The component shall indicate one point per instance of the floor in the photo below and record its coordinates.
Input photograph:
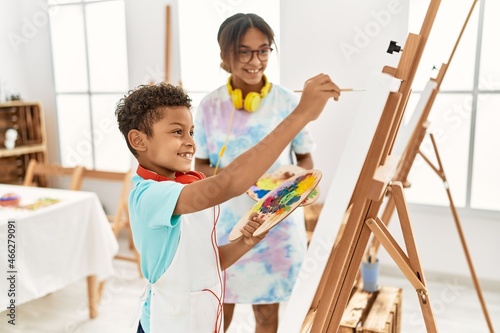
(455, 304)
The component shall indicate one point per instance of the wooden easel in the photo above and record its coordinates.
(168, 42)
(361, 219)
(408, 158)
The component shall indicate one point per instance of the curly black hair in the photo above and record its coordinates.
(142, 107)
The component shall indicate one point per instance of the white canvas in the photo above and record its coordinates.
(345, 177)
(410, 120)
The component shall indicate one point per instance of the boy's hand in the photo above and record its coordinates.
(249, 228)
(317, 91)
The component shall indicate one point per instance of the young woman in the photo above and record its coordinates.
(229, 121)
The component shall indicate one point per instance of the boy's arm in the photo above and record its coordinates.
(231, 252)
(203, 165)
(246, 169)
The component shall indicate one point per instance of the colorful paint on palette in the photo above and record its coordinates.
(286, 196)
(280, 202)
(268, 183)
(259, 192)
(265, 185)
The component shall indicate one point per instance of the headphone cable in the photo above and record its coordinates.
(223, 148)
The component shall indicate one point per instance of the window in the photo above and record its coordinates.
(90, 72)
(466, 111)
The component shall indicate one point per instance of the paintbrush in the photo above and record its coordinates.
(343, 89)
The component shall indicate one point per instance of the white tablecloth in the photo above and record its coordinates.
(55, 245)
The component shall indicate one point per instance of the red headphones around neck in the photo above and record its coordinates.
(180, 177)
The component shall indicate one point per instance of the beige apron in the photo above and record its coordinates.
(187, 297)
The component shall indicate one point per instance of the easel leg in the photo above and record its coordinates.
(386, 217)
(345, 261)
(440, 172)
(409, 264)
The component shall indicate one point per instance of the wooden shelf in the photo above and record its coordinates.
(17, 103)
(29, 149)
(28, 120)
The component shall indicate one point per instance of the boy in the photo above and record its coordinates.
(173, 224)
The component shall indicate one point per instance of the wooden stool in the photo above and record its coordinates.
(378, 312)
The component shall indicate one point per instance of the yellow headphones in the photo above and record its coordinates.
(252, 99)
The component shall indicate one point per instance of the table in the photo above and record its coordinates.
(53, 246)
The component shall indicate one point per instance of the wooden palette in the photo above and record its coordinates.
(269, 181)
(278, 203)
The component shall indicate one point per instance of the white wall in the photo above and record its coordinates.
(348, 47)
(439, 246)
(145, 22)
(12, 73)
(310, 44)
(25, 60)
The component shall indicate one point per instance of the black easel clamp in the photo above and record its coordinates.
(393, 47)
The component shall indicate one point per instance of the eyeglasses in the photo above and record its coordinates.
(245, 56)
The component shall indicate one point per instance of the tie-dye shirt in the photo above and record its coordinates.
(268, 272)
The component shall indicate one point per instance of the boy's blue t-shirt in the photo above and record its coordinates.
(156, 230)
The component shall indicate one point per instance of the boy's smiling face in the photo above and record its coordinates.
(171, 147)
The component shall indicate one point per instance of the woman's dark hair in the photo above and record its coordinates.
(234, 28)
(143, 107)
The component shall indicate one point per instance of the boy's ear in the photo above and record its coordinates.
(137, 140)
